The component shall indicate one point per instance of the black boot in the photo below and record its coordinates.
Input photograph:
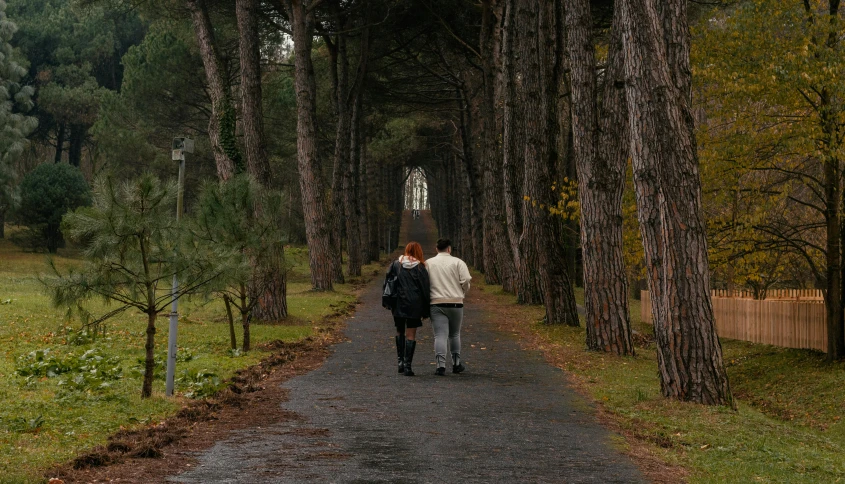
(457, 367)
(410, 346)
(400, 352)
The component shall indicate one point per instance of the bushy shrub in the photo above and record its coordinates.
(47, 193)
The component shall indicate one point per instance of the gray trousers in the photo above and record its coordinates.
(446, 323)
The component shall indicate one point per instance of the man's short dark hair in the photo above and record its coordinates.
(443, 244)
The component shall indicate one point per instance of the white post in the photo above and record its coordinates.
(179, 148)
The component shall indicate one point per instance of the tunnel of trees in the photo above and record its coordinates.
(555, 143)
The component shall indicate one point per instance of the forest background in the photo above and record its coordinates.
(331, 105)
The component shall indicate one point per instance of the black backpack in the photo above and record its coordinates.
(390, 291)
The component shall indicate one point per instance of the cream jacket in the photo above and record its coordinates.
(449, 279)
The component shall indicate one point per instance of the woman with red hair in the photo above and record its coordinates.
(412, 302)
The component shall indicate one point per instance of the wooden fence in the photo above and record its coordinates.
(791, 323)
(790, 294)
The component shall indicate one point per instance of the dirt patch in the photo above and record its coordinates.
(511, 318)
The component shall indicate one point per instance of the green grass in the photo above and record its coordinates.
(788, 426)
(41, 424)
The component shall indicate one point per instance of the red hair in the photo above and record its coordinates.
(413, 249)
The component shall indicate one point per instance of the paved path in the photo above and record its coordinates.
(509, 418)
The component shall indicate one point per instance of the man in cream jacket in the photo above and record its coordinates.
(449, 278)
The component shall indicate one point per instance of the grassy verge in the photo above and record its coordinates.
(788, 427)
(45, 420)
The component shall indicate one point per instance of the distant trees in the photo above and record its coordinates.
(773, 140)
(47, 194)
(15, 123)
(74, 53)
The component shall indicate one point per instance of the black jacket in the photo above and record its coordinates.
(414, 291)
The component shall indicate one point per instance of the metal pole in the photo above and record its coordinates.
(174, 311)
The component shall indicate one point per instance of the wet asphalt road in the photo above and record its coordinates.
(509, 418)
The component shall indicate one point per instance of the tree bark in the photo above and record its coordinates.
(322, 260)
(668, 189)
(541, 74)
(339, 71)
(271, 289)
(60, 143)
(245, 324)
(364, 194)
(352, 182)
(494, 236)
(233, 340)
(507, 271)
(395, 180)
(513, 152)
(474, 181)
(149, 355)
(466, 248)
(252, 123)
(350, 185)
(600, 146)
(272, 305)
(373, 200)
(221, 125)
(78, 132)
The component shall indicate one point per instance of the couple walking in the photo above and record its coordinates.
(429, 289)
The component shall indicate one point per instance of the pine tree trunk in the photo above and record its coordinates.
(270, 285)
(354, 191)
(541, 237)
(396, 225)
(364, 198)
(78, 132)
(272, 304)
(513, 153)
(339, 69)
(350, 180)
(245, 323)
(373, 200)
(233, 340)
(252, 124)
(473, 181)
(60, 142)
(668, 189)
(322, 259)
(494, 176)
(600, 145)
(493, 228)
(221, 125)
(149, 356)
(466, 220)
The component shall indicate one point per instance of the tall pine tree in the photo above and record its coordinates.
(15, 125)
